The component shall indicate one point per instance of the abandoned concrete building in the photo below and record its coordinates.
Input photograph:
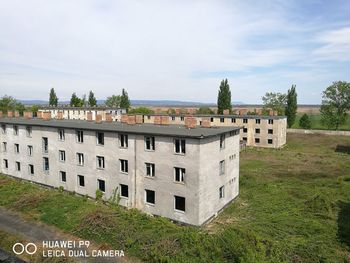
(183, 173)
(83, 113)
(256, 130)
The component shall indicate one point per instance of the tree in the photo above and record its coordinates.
(8, 103)
(75, 101)
(53, 100)
(291, 107)
(224, 97)
(113, 101)
(204, 110)
(141, 110)
(92, 100)
(335, 104)
(124, 100)
(305, 122)
(275, 102)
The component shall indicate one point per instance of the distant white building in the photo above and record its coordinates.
(81, 113)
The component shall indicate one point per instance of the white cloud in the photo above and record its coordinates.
(151, 48)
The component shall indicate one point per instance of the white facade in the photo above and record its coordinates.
(75, 113)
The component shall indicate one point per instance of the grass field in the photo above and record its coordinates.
(316, 122)
(294, 206)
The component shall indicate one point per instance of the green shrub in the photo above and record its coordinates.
(305, 122)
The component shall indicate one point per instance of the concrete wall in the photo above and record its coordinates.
(326, 132)
(211, 180)
(201, 162)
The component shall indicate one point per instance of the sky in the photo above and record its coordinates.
(177, 50)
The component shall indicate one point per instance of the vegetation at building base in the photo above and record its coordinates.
(335, 104)
(224, 97)
(294, 206)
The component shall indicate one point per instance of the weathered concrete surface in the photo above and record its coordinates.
(14, 223)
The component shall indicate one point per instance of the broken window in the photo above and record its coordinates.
(80, 136)
(179, 174)
(100, 138)
(81, 180)
(150, 196)
(150, 169)
(180, 203)
(100, 162)
(124, 190)
(180, 146)
(124, 166)
(101, 185)
(123, 140)
(149, 143)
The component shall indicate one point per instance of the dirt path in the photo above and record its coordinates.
(35, 232)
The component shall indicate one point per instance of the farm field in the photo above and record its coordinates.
(294, 206)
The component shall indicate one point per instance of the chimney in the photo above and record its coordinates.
(89, 116)
(157, 120)
(190, 122)
(206, 123)
(39, 114)
(139, 119)
(98, 118)
(60, 115)
(164, 120)
(16, 114)
(109, 117)
(226, 112)
(10, 114)
(46, 115)
(28, 115)
(131, 119)
(124, 118)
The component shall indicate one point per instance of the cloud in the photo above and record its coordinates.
(161, 49)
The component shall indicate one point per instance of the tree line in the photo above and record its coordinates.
(118, 101)
(334, 108)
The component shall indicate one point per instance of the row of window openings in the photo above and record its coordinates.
(150, 195)
(179, 144)
(257, 140)
(179, 173)
(245, 120)
(257, 131)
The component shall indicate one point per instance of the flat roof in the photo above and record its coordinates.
(153, 129)
(220, 116)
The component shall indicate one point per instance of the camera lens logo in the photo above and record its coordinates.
(19, 248)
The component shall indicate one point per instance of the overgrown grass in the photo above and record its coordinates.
(294, 206)
(316, 122)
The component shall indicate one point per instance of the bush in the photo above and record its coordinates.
(204, 110)
(99, 194)
(305, 122)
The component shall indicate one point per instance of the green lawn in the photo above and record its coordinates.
(316, 122)
(294, 206)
